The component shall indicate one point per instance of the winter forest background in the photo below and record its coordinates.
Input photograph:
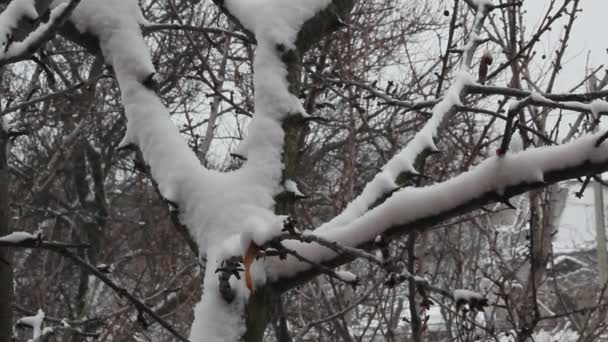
(303, 170)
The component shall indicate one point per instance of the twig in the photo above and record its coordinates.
(153, 27)
(511, 113)
(41, 244)
(122, 292)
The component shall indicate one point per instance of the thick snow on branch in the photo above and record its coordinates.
(35, 322)
(217, 208)
(275, 24)
(17, 237)
(347, 277)
(22, 48)
(222, 211)
(411, 204)
(292, 187)
(384, 182)
(178, 173)
(116, 23)
(10, 17)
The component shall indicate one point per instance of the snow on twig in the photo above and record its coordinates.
(292, 187)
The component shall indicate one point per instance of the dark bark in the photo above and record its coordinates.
(6, 270)
(259, 313)
(415, 322)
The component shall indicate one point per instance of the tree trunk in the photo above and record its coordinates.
(415, 322)
(6, 270)
(261, 304)
(259, 313)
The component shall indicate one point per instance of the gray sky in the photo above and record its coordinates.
(590, 36)
(588, 44)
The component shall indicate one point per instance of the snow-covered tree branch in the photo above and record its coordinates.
(340, 154)
(48, 23)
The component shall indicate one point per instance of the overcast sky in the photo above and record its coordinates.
(589, 41)
(590, 36)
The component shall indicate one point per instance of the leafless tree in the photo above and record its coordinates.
(112, 262)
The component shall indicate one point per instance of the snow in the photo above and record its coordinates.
(227, 212)
(379, 255)
(538, 97)
(558, 334)
(47, 331)
(384, 182)
(223, 212)
(35, 322)
(598, 107)
(275, 20)
(292, 187)
(213, 206)
(105, 268)
(116, 24)
(10, 17)
(275, 24)
(214, 319)
(409, 204)
(347, 276)
(22, 47)
(561, 258)
(251, 189)
(17, 237)
(517, 144)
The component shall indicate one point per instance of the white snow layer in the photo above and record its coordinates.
(516, 145)
(17, 237)
(292, 187)
(35, 322)
(384, 182)
(116, 24)
(221, 210)
(275, 24)
(20, 48)
(9, 18)
(347, 277)
(409, 204)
